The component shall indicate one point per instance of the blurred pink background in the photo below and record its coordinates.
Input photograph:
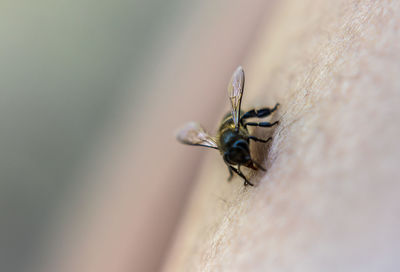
(92, 93)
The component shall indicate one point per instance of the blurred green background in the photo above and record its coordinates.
(65, 65)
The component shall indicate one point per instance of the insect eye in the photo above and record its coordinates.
(241, 144)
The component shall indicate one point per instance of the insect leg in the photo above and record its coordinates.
(230, 173)
(259, 140)
(258, 165)
(264, 112)
(237, 171)
(261, 124)
(229, 167)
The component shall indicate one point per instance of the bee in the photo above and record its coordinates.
(233, 138)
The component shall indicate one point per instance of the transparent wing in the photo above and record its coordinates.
(193, 134)
(235, 92)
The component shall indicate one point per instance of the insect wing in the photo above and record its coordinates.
(235, 92)
(193, 134)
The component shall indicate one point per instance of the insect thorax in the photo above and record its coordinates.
(228, 135)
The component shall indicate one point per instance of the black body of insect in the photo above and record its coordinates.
(233, 137)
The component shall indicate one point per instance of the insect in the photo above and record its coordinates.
(233, 137)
